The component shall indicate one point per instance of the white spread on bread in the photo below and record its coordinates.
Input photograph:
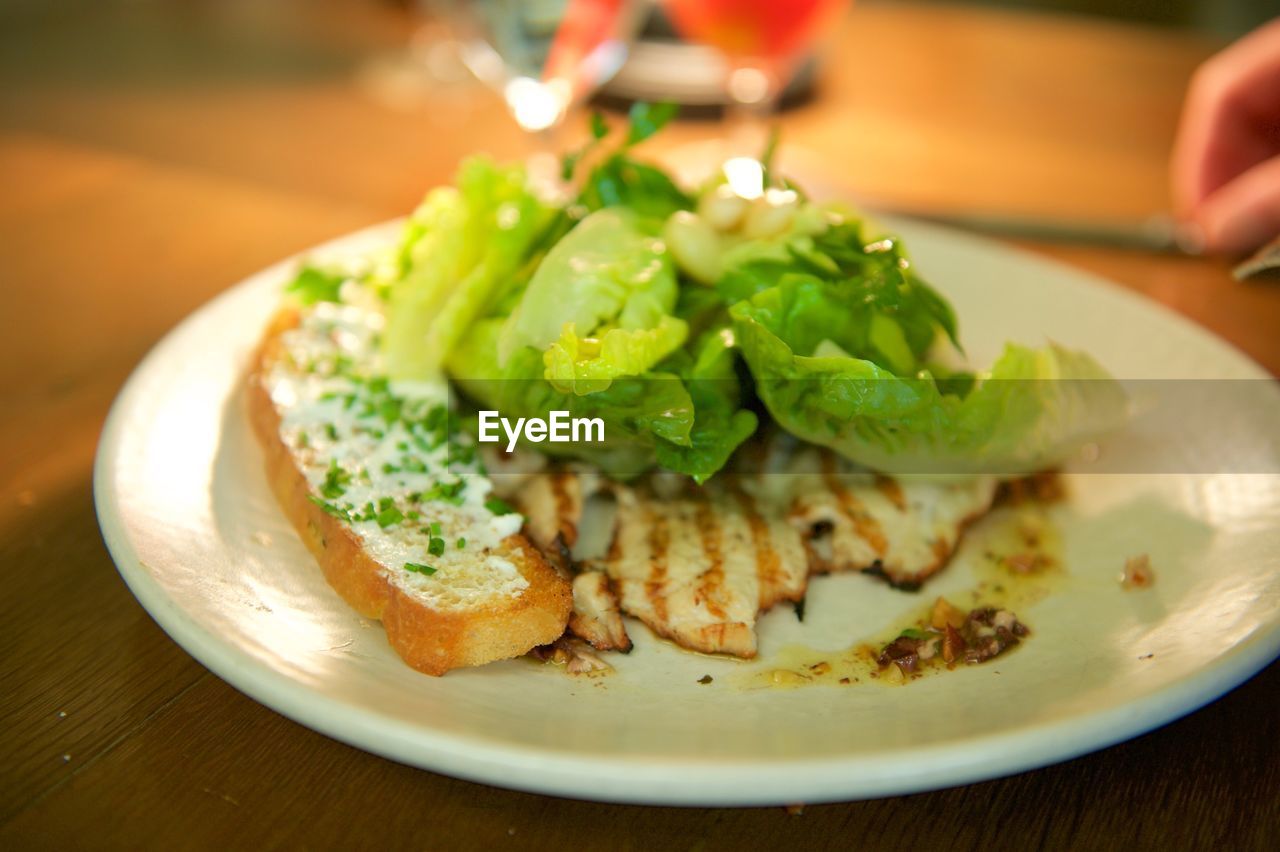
(382, 456)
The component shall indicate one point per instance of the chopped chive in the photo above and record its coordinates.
(499, 506)
(330, 508)
(389, 409)
(447, 492)
(460, 543)
(435, 528)
(389, 516)
(335, 481)
(419, 568)
(435, 546)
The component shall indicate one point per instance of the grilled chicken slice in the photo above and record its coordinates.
(596, 615)
(699, 566)
(904, 530)
(553, 503)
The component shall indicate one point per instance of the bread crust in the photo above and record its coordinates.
(430, 640)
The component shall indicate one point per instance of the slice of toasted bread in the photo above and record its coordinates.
(464, 613)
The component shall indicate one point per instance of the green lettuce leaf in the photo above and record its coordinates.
(1031, 411)
(636, 409)
(623, 182)
(583, 365)
(608, 271)
(684, 415)
(461, 248)
(720, 424)
(864, 298)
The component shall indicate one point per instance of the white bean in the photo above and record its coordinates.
(767, 219)
(694, 244)
(722, 208)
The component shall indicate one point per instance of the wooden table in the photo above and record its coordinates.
(152, 155)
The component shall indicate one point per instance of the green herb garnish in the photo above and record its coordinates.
(387, 517)
(447, 492)
(499, 506)
(419, 568)
(335, 481)
(313, 285)
(330, 508)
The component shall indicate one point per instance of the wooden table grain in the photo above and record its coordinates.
(151, 154)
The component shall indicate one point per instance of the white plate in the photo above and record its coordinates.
(188, 517)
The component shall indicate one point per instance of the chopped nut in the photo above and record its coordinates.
(945, 614)
(953, 644)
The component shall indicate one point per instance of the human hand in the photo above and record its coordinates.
(1226, 160)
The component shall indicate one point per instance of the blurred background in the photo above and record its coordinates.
(1224, 17)
(211, 137)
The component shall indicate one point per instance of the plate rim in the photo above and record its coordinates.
(636, 779)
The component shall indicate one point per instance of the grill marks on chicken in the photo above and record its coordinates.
(904, 536)
(778, 553)
(596, 616)
(677, 565)
(553, 503)
(699, 565)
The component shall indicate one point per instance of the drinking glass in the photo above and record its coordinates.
(762, 42)
(545, 56)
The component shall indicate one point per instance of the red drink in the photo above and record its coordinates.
(766, 31)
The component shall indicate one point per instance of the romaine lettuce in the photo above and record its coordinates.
(583, 365)
(606, 272)
(1029, 412)
(461, 248)
(640, 412)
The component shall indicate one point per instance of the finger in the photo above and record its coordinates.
(1231, 118)
(1244, 213)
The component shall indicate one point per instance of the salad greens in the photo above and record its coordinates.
(461, 249)
(682, 317)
